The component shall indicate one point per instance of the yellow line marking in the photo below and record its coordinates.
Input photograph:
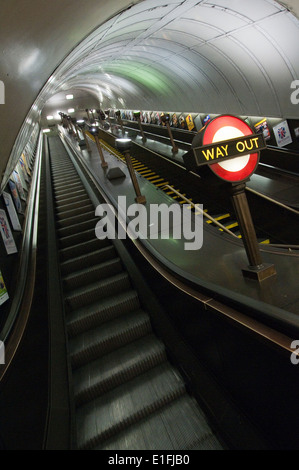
(153, 177)
(156, 181)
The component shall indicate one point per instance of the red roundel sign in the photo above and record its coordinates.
(222, 129)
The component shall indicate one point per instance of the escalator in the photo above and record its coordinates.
(127, 394)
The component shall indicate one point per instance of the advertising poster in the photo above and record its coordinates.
(15, 196)
(12, 212)
(297, 133)
(3, 292)
(182, 122)
(174, 120)
(262, 127)
(18, 182)
(23, 167)
(22, 176)
(190, 123)
(7, 237)
(282, 134)
(207, 119)
(25, 161)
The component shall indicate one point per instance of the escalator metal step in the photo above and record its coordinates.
(75, 219)
(181, 426)
(88, 259)
(95, 314)
(98, 290)
(76, 238)
(77, 228)
(68, 190)
(82, 248)
(114, 334)
(92, 274)
(76, 211)
(116, 368)
(63, 185)
(72, 204)
(100, 419)
(70, 197)
(64, 175)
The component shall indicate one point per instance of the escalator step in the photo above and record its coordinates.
(82, 248)
(95, 314)
(75, 219)
(64, 175)
(70, 212)
(114, 334)
(100, 419)
(66, 198)
(65, 186)
(88, 259)
(116, 368)
(98, 290)
(74, 239)
(73, 203)
(181, 426)
(92, 274)
(73, 229)
(68, 190)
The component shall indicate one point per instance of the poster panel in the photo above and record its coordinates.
(12, 212)
(18, 182)
(3, 291)
(22, 176)
(15, 196)
(7, 236)
(190, 123)
(262, 127)
(282, 134)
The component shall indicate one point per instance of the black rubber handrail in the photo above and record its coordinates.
(28, 243)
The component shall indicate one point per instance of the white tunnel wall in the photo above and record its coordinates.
(208, 56)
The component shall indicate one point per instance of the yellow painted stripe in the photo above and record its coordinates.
(162, 184)
(265, 241)
(145, 172)
(232, 225)
(140, 166)
(153, 177)
(157, 181)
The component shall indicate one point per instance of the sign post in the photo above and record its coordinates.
(137, 115)
(228, 145)
(166, 118)
(124, 145)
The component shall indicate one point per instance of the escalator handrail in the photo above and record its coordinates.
(274, 201)
(188, 283)
(196, 206)
(28, 243)
(283, 150)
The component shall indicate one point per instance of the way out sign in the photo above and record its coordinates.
(229, 146)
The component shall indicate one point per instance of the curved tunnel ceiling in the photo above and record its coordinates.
(213, 56)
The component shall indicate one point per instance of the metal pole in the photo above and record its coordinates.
(174, 147)
(256, 269)
(86, 140)
(141, 130)
(103, 162)
(139, 197)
